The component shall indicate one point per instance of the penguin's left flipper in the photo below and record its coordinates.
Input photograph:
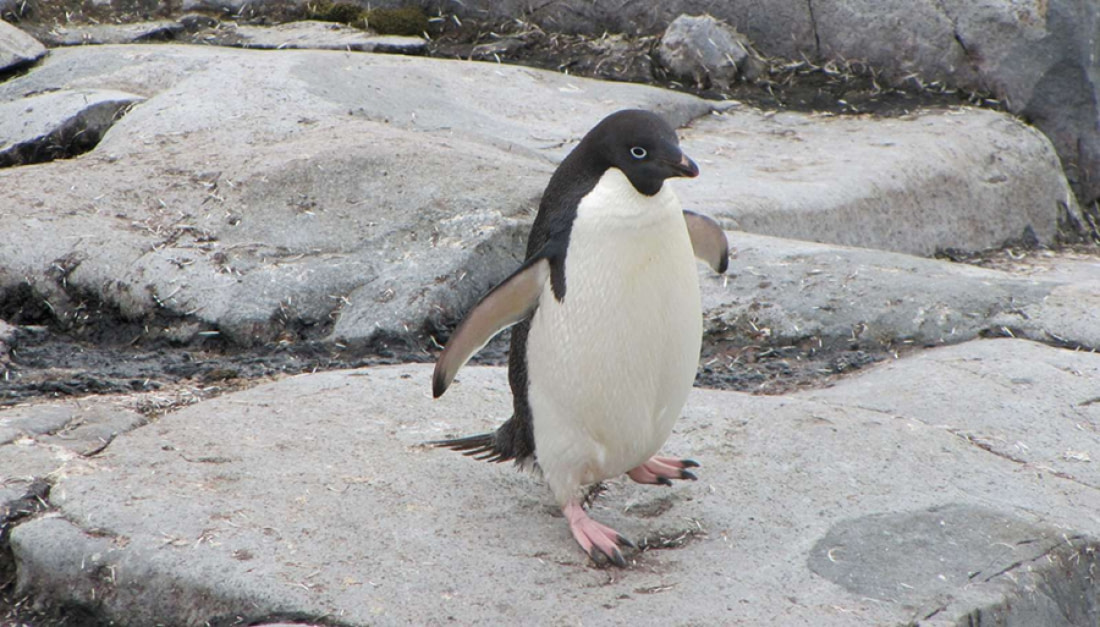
(708, 240)
(662, 470)
(506, 304)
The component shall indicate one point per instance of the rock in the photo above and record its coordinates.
(1036, 57)
(51, 439)
(703, 51)
(313, 35)
(209, 507)
(376, 210)
(86, 34)
(17, 49)
(919, 184)
(58, 124)
(377, 213)
(783, 292)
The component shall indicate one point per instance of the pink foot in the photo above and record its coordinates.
(599, 542)
(663, 470)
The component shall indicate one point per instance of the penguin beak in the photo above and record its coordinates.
(686, 167)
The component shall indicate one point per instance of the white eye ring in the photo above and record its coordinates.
(638, 152)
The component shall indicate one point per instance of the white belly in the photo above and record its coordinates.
(610, 367)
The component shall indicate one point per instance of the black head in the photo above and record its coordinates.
(639, 143)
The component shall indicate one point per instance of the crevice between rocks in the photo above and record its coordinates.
(1059, 586)
(294, 618)
(989, 448)
(813, 25)
(33, 502)
(74, 136)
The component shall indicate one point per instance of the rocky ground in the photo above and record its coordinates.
(894, 278)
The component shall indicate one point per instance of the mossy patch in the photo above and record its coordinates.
(342, 12)
(401, 21)
(410, 21)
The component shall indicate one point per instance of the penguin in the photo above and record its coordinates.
(607, 323)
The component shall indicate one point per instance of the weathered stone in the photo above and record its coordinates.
(918, 184)
(703, 51)
(316, 36)
(401, 194)
(196, 516)
(382, 214)
(1039, 57)
(58, 123)
(17, 48)
(783, 292)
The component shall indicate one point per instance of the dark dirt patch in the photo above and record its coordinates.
(798, 85)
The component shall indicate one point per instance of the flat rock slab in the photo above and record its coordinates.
(879, 501)
(37, 127)
(17, 48)
(783, 292)
(314, 35)
(916, 184)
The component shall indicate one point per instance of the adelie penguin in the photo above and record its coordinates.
(608, 322)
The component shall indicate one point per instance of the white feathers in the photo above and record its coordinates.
(609, 367)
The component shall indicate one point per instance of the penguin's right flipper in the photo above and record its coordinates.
(506, 304)
(708, 240)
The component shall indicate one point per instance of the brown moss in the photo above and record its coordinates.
(342, 12)
(403, 21)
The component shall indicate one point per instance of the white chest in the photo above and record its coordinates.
(610, 366)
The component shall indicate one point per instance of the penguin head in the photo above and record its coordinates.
(642, 145)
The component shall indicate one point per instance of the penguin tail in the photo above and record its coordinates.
(482, 447)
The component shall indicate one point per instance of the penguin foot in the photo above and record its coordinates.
(662, 470)
(600, 542)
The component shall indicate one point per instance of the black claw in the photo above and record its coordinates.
(667, 481)
(687, 474)
(689, 463)
(622, 540)
(617, 558)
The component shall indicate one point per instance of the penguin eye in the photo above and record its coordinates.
(638, 152)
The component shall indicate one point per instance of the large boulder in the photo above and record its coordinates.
(918, 184)
(293, 194)
(1039, 58)
(784, 292)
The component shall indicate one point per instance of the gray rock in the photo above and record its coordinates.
(1039, 58)
(703, 51)
(783, 292)
(46, 441)
(376, 211)
(88, 34)
(246, 505)
(316, 36)
(17, 48)
(58, 123)
(963, 179)
(375, 207)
